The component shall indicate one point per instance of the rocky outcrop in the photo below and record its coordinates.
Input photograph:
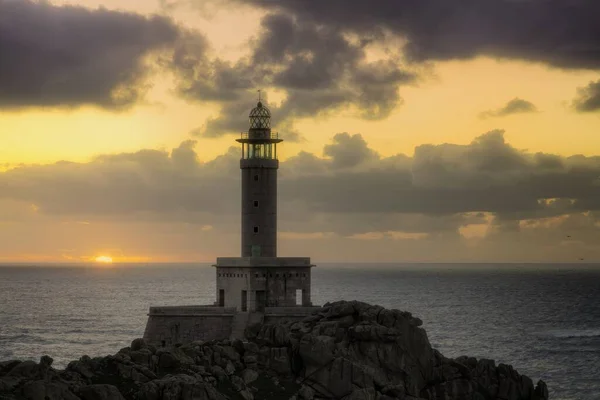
(346, 350)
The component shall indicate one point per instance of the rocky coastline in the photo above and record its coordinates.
(346, 350)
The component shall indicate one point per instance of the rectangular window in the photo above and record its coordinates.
(221, 298)
(298, 297)
(255, 203)
(256, 178)
(256, 229)
(244, 300)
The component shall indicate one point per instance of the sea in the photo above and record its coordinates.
(543, 319)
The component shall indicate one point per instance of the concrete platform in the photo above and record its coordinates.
(169, 325)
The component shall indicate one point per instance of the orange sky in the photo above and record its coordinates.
(443, 105)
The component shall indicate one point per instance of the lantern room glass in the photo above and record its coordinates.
(259, 150)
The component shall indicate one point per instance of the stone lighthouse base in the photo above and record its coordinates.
(183, 324)
(250, 290)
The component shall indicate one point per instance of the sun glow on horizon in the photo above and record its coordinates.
(104, 259)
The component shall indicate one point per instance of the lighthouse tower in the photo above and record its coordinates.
(258, 286)
(259, 280)
(259, 166)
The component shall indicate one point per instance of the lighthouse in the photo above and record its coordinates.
(258, 286)
(259, 166)
(259, 280)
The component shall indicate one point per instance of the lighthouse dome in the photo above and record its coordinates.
(260, 117)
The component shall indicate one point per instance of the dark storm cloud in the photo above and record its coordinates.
(353, 190)
(312, 57)
(319, 68)
(515, 106)
(69, 56)
(588, 98)
(564, 34)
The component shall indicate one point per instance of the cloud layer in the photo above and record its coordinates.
(588, 98)
(440, 181)
(515, 106)
(485, 201)
(70, 56)
(564, 34)
(315, 53)
(319, 69)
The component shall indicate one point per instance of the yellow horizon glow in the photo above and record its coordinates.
(104, 259)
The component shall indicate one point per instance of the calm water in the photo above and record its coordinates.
(544, 320)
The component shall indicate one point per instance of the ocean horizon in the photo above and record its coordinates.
(541, 318)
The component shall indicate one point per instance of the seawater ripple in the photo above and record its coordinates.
(543, 320)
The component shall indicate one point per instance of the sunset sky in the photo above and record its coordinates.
(415, 131)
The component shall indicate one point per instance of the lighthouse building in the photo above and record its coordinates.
(258, 286)
(259, 279)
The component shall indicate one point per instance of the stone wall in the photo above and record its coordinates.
(279, 283)
(184, 324)
(233, 281)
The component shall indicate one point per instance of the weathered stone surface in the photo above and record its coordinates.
(142, 356)
(249, 375)
(42, 390)
(306, 393)
(25, 369)
(100, 392)
(349, 350)
(138, 344)
(182, 387)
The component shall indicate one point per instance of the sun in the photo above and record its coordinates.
(104, 259)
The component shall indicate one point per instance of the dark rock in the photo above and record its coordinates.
(6, 366)
(238, 383)
(218, 373)
(46, 361)
(25, 369)
(541, 391)
(246, 395)
(82, 367)
(142, 357)
(138, 344)
(250, 348)
(249, 375)
(238, 345)
(179, 387)
(229, 368)
(250, 359)
(230, 353)
(100, 392)
(306, 393)
(42, 390)
(349, 350)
